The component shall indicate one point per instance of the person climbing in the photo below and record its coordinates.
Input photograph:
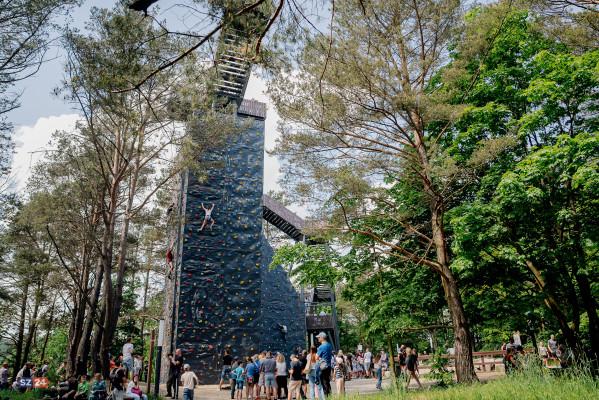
(283, 330)
(208, 216)
(169, 260)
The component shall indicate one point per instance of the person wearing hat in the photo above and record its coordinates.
(190, 380)
(325, 352)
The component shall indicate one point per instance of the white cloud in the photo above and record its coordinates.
(32, 141)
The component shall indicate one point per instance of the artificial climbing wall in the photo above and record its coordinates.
(224, 295)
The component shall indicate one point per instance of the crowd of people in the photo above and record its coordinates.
(554, 351)
(309, 373)
(126, 372)
(306, 374)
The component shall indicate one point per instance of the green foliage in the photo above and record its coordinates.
(438, 372)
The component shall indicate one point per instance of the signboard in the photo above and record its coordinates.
(25, 382)
(41, 382)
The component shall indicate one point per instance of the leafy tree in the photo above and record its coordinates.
(365, 135)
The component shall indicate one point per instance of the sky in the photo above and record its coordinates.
(41, 113)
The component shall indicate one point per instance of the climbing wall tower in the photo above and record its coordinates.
(223, 294)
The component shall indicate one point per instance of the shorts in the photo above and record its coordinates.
(269, 379)
(294, 385)
(544, 356)
(118, 394)
(239, 385)
(250, 380)
(128, 364)
(366, 366)
(226, 374)
(261, 380)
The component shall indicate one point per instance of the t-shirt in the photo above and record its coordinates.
(368, 357)
(4, 375)
(339, 371)
(269, 365)
(297, 368)
(127, 350)
(83, 387)
(325, 351)
(227, 360)
(411, 361)
(281, 368)
(252, 369)
(188, 380)
(238, 372)
(552, 345)
(517, 340)
(176, 369)
(542, 351)
(137, 363)
(304, 360)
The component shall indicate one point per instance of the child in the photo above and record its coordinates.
(82, 388)
(339, 375)
(238, 375)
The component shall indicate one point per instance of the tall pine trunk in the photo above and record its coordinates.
(21, 332)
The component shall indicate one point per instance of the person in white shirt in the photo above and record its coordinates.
(517, 340)
(134, 391)
(190, 380)
(128, 357)
(367, 362)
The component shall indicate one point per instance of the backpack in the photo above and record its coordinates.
(322, 363)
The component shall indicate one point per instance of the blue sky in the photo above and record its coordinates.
(42, 113)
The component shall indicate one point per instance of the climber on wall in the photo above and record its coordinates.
(208, 216)
(169, 259)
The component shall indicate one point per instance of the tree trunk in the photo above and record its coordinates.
(21, 334)
(84, 347)
(113, 306)
(33, 322)
(462, 341)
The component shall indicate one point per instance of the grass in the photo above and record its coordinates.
(31, 395)
(532, 383)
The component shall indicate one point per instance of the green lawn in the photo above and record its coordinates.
(524, 386)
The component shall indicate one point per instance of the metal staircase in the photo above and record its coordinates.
(232, 66)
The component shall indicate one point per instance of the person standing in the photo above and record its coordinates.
(137, 365)
(252, 370)
(233, 381)
(4, 374)
(303, 358)
(189, 380)
(412, 366)
(340, 374)
(552, 343)
(367, 362)
(517, 340)
(268, 366)
(128, 357)
(543, 353)
(238, 376)
(325, 352)
(378, 372)
(281, 376)
(384, 362)
(172, 385)
(296, 377)
(226, 371)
